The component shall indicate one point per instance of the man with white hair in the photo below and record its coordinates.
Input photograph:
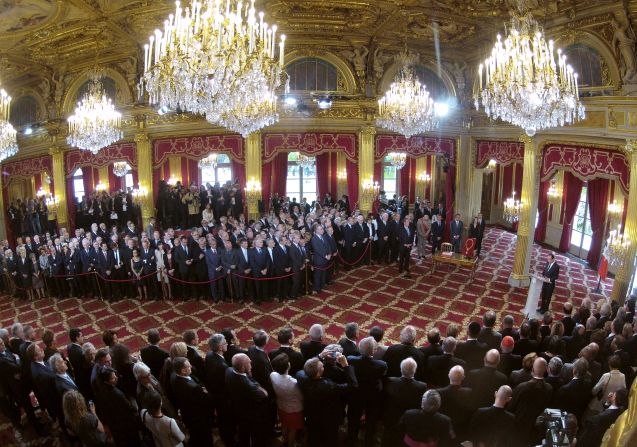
(439, 365)
(367, 398)
(457, 402)
(486, 380)
(397, 353)
(314, 346)
(427, 425)
(401, 394)
(63, 382)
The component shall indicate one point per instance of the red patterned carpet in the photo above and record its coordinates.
(368, 295)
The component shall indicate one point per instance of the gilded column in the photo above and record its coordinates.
(475, 184)
(174, 167)
(3, 228)
(341, 175)
(145, 176)
(421, 170)
(366, 168)
(59, 186)
(463, 166)
(103, 174)
(520, 275)
(253, 174)
(434, 179)
(625, 271)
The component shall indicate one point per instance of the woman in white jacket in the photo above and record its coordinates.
(609, 383)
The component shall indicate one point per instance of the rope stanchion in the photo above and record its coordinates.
(359, 259)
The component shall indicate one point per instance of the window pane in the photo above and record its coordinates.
(581, 209)
(224, 174)
(576, 238)
(208, 175)
(129, 180)
(586, 242)
(78, 188)
(293, 172)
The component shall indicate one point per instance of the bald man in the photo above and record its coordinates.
(491, 426)
(486, 380)
(457, 401)
(529, 401)
(248, 402)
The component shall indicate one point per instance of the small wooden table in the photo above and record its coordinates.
(455, 259)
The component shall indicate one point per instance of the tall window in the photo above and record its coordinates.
(582, 234)
(78, 184)
(221, 174)
(301, 182)
(390, 178)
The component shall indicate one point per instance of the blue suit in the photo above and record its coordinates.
(259, 262)
(456, 234)
(213, 261)
(320, 249)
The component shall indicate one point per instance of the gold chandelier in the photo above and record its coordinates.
(210, 162)
(617, 246)
(553, 191)
(512, 209)
(305, 161)
(406, 108)
(8, 135)
(216, 58)
(523, 83)
(120, 168)
(398, 159)
(95, 123)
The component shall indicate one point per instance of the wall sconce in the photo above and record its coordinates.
(341, 175)
(100, 187)
(615, 209)
(172, 181)
(40, 193)
(554, 192)
(424, 178)
(490, 168)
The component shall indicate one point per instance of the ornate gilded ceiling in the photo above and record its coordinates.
(46, 45)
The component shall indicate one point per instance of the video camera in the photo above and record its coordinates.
(555, 425)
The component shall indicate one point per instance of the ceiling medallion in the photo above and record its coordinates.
(523, 83)
(407, 108)
(95, 123)
(216, 58)
(8, 135)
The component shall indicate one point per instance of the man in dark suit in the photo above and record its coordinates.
(478, 233)
(595, 427)
(472, 351)
(196, 360)
(321, 256)
(229, 261)
(244, 269)
(259, 266)
(261, 367)
(286, 339)
(298, 261)
(400, 394)
(149, 265)
(382, 233)
(281, 267)
(248, 402)
(457, 401)
(427, 424)
(434, 344)
(314, 346)
(193, 402)
(215, 271)
(488, 335)
(575, 395)
(406, 237)
(183, 261)
(438, 366)
(525, 345)
(74, 350)
(320, 396)
(492, 426)
(397, 353)
(88, 260)
(437, 231)
(394, 243)
(567, 321)
(550, 273)
(216, 368)
(152, 355)
(529, 401)
(348, 343)
(367, 398)
(44, 382)
(457, 227)
(63, 382)
(105, 262)
(487, 380)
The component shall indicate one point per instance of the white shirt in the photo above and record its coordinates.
(288, 394)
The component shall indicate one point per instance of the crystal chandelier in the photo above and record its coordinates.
(523, 83)
(216, 59)
(616, 247)
(95, 123)
(8, 135)
(490, 168)
(305, 161)
(398, 159)
(512, 209)
(615, 208)
(210, 162)
(120, 168)
(407, 108)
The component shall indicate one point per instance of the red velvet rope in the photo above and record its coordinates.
(359, 259)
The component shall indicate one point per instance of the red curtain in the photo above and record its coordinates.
(428, 187)
(70, 202)
(496, 184)
(279, 173)
(543, 211)
(507, 182)
(450, 186)
(378, 173)
(597, 205)
(159, 173)
(518, 179)
(572, 192)
(352, 182)
(266, 184)
(323, 174)
(403, 176)
(334, 175)
(87, 178)
(135, 178)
